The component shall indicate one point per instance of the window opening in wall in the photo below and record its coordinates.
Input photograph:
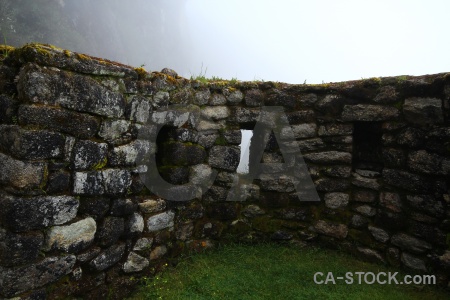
(367, 146)
(243, 167)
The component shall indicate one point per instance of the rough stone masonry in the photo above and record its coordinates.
(76, 219)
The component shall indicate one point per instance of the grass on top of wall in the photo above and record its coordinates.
(270, 271)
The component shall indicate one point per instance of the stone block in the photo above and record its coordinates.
(410, 137)
(308, 100)
(278, 183)
(138, 109)
(336, 200)
(335, 129)
(408, 181)
(423, 110)
(226, 178)
(364, 182)
(113, 182)
(315, 144)
(428, 163)
(368, 112)
(233, 136)
(364, 196)
(427, 204)
(331, 185)
(338, 231)
(108, 257)
(192, 211)
(244, 192)
(224, 157)
(8, 109)
(413, 262)
(158, 252)
(184, 231)
(183, 154)
(330, 104)
(97, 207)
(137, 151)
(181, 96)
(410, 243)
(110, 230)
(254, 97)
(297, 214)
(359, 221)
(370, 255)
(24, 214)
(71, 238)
(276, 97)
(430, 233)
(19, 249)
(88, 183)
(76, 92)
(218, 99)
(152, 206)
(393, 256)
(208, 138)
(21, 279)
(301, 117)
(22, 175)
(77, 124)
(216, 194)
(143, 244)
(160, 221)
(31, 144)
(246, 115)
(160, 99)
(379, 234)
(116, 181)
(134, 225)
(215, 112)
(302, 131)
(329, 157)
(123, 207)
(89, 155)
(131, 85)
(54, 57)
(233, 96)
(58, 182)
(185, 135)
(89, 254)
(115, 132)
(135, 263)
(201, 97)
(366, 210)
(393, 157)
(210, 230)
(205, 125)
(386, 95)
(445, 260)
(252, 211)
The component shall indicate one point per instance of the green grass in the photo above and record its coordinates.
(270, 271)
(201, 76)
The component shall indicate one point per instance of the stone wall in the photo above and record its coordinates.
(77, 219)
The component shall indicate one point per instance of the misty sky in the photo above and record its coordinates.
(283, 40)
(325, 40)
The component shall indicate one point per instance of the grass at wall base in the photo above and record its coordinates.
(273, 271)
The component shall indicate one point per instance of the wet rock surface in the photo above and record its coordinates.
(79, 137)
